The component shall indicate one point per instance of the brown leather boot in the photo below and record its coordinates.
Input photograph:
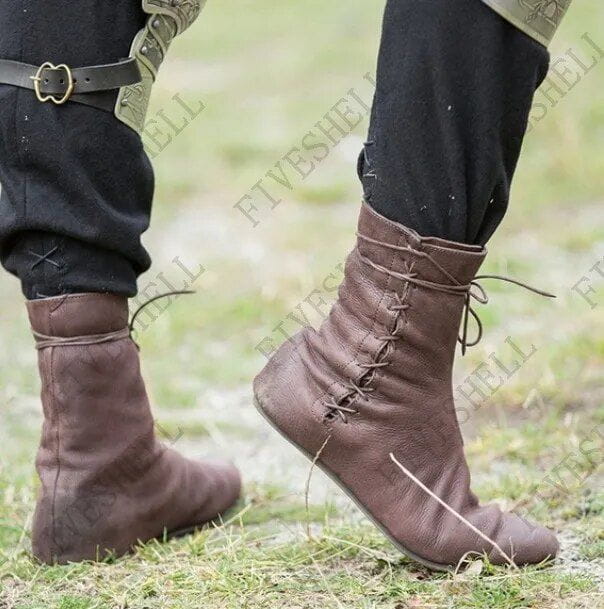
(107, 482)
(374, 385)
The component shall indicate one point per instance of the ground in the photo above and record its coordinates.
(241, 91)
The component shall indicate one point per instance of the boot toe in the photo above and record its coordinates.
(226, 485)
(524, 542)
(541, 545)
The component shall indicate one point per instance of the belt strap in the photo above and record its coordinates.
(59, 84)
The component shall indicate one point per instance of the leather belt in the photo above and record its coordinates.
(60, 83)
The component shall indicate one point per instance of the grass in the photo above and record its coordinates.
(535, 444)
(348, 565)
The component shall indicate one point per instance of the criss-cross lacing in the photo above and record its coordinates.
(457, 289)
(469, 291)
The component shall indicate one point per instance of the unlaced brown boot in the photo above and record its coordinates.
(374, 385)
(107, 482)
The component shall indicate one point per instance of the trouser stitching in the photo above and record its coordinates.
(41, 258)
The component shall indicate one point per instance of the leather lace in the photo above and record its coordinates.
(142, 307)
(44, 342)
(469, 291)
(472, 291)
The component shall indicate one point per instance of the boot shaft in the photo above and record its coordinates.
(106, 480)
(375, 383)
(400, 290)
(96, 410)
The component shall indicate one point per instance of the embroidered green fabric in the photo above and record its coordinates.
(537, 18)
(167, 19)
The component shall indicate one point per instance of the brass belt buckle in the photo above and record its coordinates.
(47, 65)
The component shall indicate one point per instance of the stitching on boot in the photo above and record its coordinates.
(402, 306)
(328, 391)
(370, 332)
(60, 302)
(361, 386)
(54, 545)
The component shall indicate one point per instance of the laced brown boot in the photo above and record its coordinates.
(107, 482)
(374, 386)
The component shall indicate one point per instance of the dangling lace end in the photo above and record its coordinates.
(467, 311)
(145, 304)
(518, 283)
(466, 314)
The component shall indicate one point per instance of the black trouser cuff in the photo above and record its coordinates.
(51, 265)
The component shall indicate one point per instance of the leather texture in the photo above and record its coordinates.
(88, 80)
(537, 18)
(376, 379)
(106, 481)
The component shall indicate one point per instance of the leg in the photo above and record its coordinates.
(369, 396)
(455, 84)
(75, 182)
(77, 189)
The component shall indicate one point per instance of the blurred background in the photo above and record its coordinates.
(261, 241)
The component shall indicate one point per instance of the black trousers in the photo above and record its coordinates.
(455, 84)
(76, 184)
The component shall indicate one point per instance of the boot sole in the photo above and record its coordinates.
(218, 520)
(426, 563)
